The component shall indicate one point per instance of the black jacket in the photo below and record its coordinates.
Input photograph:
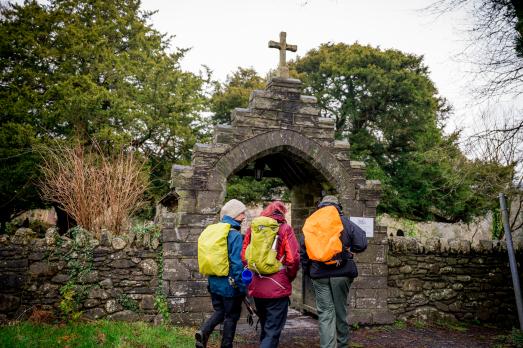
(352, 237)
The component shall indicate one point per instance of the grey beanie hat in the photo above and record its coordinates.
(330, 199)
(232, 208)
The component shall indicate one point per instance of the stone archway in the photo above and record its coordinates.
(275, 141)
(283, 128)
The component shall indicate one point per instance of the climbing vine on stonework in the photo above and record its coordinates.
(160, 298)
(128, 303)
(78, 256)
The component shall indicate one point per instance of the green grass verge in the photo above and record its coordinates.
(95, 334)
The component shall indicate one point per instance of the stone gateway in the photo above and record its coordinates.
(281, 133)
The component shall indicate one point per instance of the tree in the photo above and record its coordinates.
(18, 172)
(18, 131)
(385, 104)
(496, 42)
(248, 190)
(442, 184)
(85, 70)
(234, 93)
(500, 143)
(367, 90)
(496, 51)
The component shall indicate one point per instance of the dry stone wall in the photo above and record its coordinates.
(119, 276)
(450, 279)
(400, 278)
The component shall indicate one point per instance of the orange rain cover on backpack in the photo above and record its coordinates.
(322, 232)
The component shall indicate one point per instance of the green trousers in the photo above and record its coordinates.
(331, 302)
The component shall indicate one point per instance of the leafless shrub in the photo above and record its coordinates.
(97, 190)
(500, 140)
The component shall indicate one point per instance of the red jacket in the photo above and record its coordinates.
(278, 284)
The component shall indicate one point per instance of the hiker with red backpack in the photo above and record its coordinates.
(330, 238)
(219, 249)
(271, 251)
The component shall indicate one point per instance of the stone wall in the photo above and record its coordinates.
(119, 278)
(475, 231)
(450, 279)
(438, 279)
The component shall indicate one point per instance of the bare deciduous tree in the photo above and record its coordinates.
(501, 141)
(495, 49)
(495, 45)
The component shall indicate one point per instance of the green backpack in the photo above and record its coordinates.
(213, 256)
(261, 251)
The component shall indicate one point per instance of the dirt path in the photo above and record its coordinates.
(302, 331)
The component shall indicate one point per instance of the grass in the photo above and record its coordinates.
(399, 324)
(419, 324)
(452, 325)
(513, 339)
(356, 345)
(95, 334)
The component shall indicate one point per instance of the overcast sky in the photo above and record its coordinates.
(226, 34)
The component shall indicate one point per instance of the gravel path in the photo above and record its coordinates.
(302, 331)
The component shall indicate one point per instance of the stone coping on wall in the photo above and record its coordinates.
(408, 245)
(26, 236)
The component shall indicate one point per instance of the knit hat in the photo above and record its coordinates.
(232, 208)
(330, 199)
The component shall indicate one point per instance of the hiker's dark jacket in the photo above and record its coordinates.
(352, 237)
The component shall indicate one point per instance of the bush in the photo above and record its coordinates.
(40, 227)
(97, 190)
(12, 226)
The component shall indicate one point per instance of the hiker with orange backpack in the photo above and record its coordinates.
(271, 251)
(219, 249)
(330, 238)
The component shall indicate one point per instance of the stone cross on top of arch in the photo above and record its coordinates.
(283, 69)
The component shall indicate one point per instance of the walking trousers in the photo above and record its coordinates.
(226, 310)
(331, 302)
(273, 314)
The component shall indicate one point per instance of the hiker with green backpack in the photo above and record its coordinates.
(219, 257)
(271, 251)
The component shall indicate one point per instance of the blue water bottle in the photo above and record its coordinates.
(247, 276)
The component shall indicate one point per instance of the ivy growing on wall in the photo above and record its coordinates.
(79, 262)
(160, 299)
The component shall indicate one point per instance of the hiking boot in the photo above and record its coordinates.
(201, 339)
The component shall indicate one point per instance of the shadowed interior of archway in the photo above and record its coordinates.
(286, 165)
